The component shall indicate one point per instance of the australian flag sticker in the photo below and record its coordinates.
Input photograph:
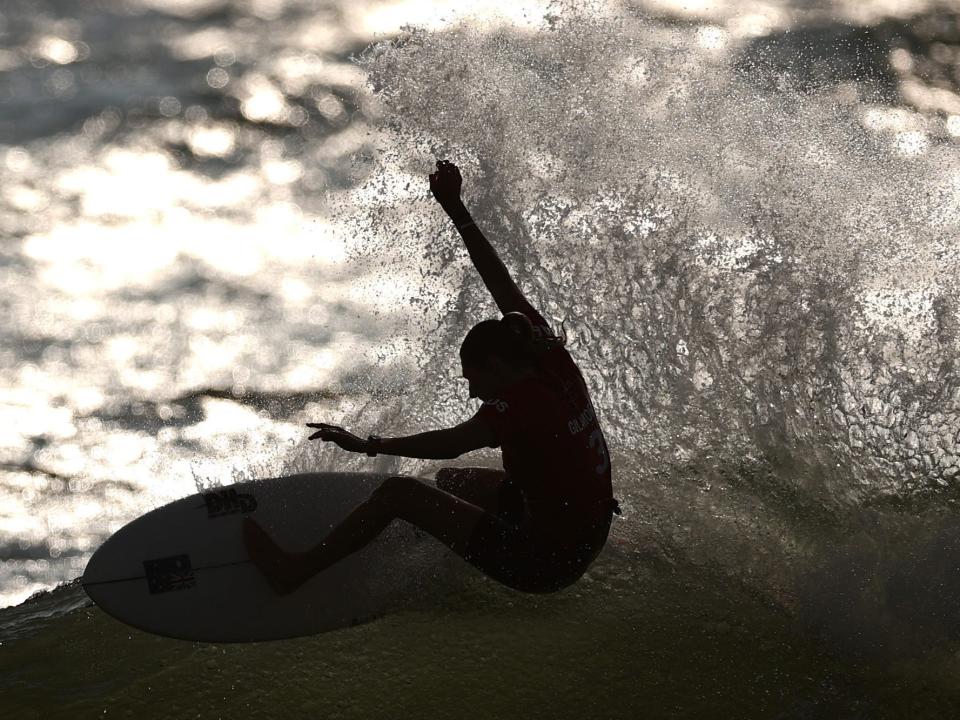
(169, 574)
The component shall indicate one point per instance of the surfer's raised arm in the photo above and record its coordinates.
(445, 185)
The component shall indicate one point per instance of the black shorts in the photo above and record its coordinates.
(501, 547)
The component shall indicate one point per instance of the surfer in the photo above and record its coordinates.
(537, 524)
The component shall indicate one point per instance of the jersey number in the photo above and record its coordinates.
(597, 443)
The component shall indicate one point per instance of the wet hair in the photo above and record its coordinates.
(511, 338)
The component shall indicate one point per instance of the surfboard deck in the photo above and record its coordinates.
(182, 570)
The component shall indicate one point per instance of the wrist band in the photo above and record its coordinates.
(466, 225)
(374, 445)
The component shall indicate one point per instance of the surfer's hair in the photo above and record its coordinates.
(511, 338)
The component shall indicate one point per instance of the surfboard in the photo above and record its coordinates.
(182, 570)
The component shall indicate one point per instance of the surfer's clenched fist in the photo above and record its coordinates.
(446, 182)
(332, 433)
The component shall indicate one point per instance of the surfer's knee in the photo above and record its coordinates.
(392, 489)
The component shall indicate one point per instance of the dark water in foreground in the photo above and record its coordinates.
(755, 263)
(634, 638)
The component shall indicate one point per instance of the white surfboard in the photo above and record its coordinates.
(182, 570)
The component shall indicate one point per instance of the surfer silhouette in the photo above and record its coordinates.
(536, 525)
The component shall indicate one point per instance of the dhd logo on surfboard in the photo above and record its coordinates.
(228, 502)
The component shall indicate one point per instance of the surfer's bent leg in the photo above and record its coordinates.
(448, 518)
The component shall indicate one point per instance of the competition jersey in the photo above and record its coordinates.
(552, 445)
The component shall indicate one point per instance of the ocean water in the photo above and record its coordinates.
(217, 226)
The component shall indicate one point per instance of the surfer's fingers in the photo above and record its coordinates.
(333, 435)
(329, 432)
(324, 431)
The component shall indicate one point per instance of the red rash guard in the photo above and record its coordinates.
(553, 447)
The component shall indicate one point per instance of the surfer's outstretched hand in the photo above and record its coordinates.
(446, 182)
(335, 434)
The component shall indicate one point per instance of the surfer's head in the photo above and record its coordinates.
(496, 353)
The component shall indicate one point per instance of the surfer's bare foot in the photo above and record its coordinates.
(284, 571)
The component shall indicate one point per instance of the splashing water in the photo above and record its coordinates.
(757, 281)
(738, 269)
